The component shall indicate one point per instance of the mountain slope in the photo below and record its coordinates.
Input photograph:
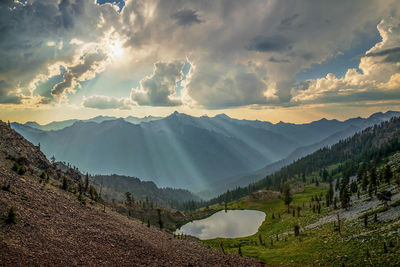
(370, 145)
(115, 186)
(189, 152)
(54, 228)
(59, 125)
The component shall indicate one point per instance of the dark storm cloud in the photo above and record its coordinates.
(7, 95)
(272, 43)
(392, 54)
(275, 60)
(187, 17)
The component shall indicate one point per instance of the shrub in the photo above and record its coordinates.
(296, 230)
(21, 170)
(15, 167)
(5, 187)
(11, 216)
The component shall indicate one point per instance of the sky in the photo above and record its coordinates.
(274, 60)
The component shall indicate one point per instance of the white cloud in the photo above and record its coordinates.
(158, 89)
(106, 102)
(378, 78)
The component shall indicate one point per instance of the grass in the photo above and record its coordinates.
(319, 246)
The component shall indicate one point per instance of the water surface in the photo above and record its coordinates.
(229, 224)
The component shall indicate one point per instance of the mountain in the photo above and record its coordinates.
(115, 186)
(182, 151)
(58, 125)
(136, 120)
(370, 146)
(353, 126)
(54, 227)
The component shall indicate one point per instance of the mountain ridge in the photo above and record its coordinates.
(184, 151)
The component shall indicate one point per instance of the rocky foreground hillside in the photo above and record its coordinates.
(53, 227)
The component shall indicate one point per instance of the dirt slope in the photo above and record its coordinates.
(54, 228)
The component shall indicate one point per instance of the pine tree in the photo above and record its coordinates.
(287, 196)
(353, 187)
(160, 222)
(86, 182)
(64, 183)
(296, 230)
(388, 175)
(364, 182)
(373, 179)
(397, 181)
(325, 175)
(345, 197)
(329, 195)
(361, 172)
(385, 196)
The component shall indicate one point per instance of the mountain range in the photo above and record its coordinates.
(195, 153)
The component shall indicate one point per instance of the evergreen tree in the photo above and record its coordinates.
(86, 182)
(325, 175)
(364, 182)
(64, 183)
(296, 230)
(353, 187)
(385, 196)
(397, 181)
(345, 197)
(361, 172)
(329, 195)
(287, 196)
(388, 175)
(160, 222)
(373, 179)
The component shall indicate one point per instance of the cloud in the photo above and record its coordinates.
(187, 17)
(7, 96)
(106, 102)
(243, 53)
(158, 89)
(216, 86)
(269, 44)
(378, 79)
(273, 59)
(84, 70)
(35, 36)
(289, 20)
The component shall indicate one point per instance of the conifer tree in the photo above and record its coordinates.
(345, 197)
(287, 196)
(160, 222)
(86, 182)
(388, 175)
(373, 179)
(64, 183)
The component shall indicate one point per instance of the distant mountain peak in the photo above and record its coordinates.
(222, 116)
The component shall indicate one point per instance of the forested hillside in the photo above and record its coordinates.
(370, 146)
